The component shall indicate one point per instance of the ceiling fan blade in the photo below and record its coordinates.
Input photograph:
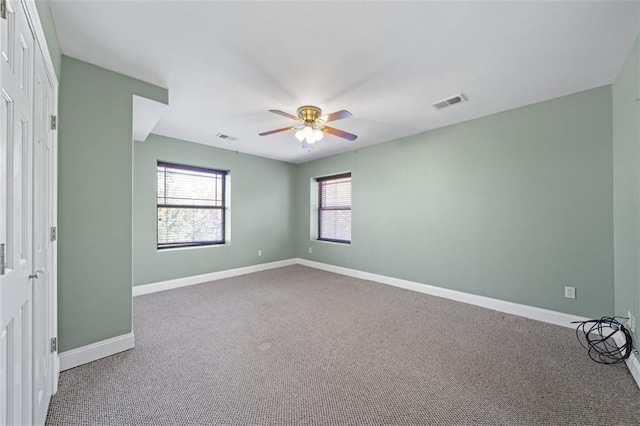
(339, 133)
(283, 129)
(338, 115)
(285, 114)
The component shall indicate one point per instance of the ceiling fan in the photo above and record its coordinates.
(312, 124)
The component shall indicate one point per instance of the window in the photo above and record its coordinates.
(191, 206)
(334, 208)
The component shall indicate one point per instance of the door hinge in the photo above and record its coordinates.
(54, 344)
(54, 122)
(3, 9)
(54, 233)
(2, 259)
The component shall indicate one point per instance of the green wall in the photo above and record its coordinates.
(261, 211)
(95, 201)
(513, 206)
(626, 189)
(44, 12)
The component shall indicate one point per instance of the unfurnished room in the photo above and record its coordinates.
(319, 212)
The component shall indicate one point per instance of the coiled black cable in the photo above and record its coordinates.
(598, 337)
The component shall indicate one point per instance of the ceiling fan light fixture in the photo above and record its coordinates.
(317, 134)
(300, 135)
(307, 131)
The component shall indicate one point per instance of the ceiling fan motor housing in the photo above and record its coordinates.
(309, 113)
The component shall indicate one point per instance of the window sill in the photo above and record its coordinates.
(209, 246)
(337, 243)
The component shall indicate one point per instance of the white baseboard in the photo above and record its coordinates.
(539, 314)
(139, 290)
(634, 367)
(531, 312)
(104, 348)
(94, 351)
(633, 364)
(112, 346)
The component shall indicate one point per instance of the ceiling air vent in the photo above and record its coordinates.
(227, 137)
(450, 101)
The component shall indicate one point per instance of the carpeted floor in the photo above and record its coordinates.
(295, 346)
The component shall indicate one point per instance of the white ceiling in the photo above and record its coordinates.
(227, 63)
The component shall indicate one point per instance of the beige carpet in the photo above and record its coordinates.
(298, 346)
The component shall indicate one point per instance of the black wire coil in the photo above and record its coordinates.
(597, 337)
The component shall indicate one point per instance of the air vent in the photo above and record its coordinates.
(227, 137)
(450, 101)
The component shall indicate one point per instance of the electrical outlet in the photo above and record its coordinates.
(310, 251)
(570, 292)
(259, 253)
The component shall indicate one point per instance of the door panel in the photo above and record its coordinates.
(42, 254)
(16, 323)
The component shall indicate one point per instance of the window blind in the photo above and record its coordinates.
(334, 208)
(191, 205)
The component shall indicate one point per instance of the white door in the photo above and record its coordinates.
(16, 59)
(43, 330)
